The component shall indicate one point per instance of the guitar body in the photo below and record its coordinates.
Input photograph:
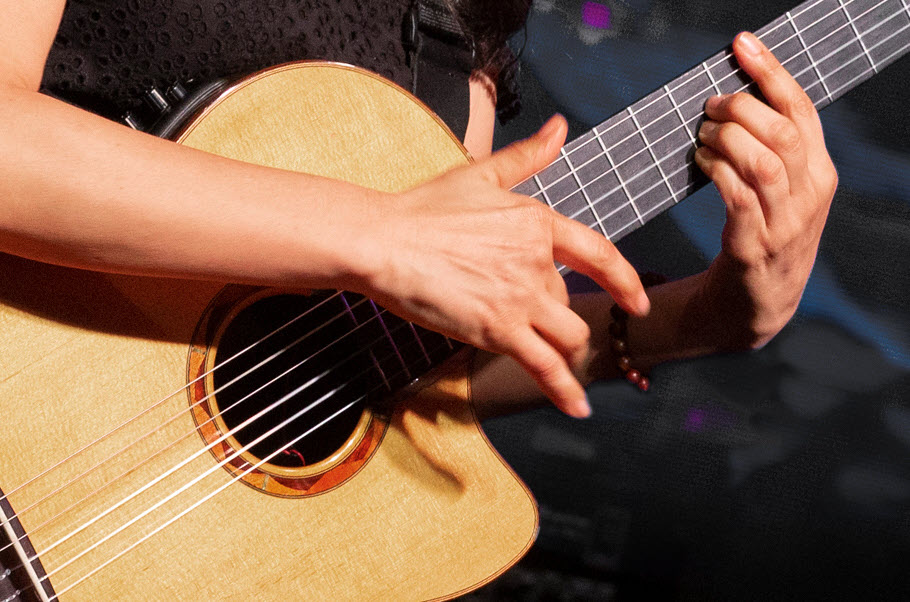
(430, 511)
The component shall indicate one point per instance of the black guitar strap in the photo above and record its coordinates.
(441, 60)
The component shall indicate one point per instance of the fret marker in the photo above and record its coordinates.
(859, 38)
(809, 56)
(618, 177)
(584, 192)
(644, 139)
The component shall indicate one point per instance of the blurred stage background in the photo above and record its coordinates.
(782, 474)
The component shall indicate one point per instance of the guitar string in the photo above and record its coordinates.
(262, 437)
(434, 350)
(159, 402)
(233, 479)
(873, 47)
(180, 391)
(369, 345)
(224, 437)
(671, 154)
(649, 145)
(678, 149)
(668, 96)
(217, 491)
(235, 454)
(686, 147)
(564, 269)
(209, 496)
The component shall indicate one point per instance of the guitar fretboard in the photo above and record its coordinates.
(637, 164)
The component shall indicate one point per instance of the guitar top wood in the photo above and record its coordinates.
(434, 513)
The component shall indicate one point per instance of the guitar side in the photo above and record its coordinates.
(435, 512)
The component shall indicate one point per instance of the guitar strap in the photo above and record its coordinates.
(441, 60)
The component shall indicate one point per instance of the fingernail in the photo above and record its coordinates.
(708, 128)
(643, 304)
(715, 101)
(750, 44)
(550, 127)
(582, 408)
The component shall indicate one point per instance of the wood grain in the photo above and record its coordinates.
(435, 512)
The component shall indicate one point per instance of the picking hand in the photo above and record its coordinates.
(467, 258)
(771, 167)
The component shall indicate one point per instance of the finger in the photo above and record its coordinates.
(756, 164)
(745, 218)
(565, 330)
(519, 161)
(769, 127)
(551, 373)
(779, 88)
(587, 252)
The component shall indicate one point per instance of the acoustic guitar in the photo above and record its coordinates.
(174, 440)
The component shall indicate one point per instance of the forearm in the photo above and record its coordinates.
(79, 190)
(677, 327)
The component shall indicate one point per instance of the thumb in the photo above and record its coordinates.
(519, 161)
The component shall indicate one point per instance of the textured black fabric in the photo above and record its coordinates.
(108, 53)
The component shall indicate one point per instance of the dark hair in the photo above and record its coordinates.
(487, 25)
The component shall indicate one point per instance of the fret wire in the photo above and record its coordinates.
(848, 84)
(682, 120)
(543, 190)
(388, 335)
(705, 66)
(652, 153)
(584, 192)
(613, 169)
(857, 34)
(420, 343)
(809, 55)
(711, 77)
(373, 358)
(618, 177)
(897, 52)
(23, 556)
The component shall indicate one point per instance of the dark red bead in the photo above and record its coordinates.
(619, 345)
(644, 384)
(624, 363)
(633, 376)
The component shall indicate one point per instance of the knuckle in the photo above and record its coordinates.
(726, 133)
(546, 366)
(767, 169)
(738, 104)
(801, 105)
(785, 135)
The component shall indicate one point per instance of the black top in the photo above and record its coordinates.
(108, 53)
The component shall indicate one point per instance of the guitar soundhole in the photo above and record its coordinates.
(291, 394)
(272, 364)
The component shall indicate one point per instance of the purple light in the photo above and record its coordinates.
(596, 15)
(695, 421)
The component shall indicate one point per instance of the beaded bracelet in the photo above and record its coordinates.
(619, 331)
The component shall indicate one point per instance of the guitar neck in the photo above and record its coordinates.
(634, 166)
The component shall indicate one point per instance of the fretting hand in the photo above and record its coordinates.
(771, 167)
(464, 256)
